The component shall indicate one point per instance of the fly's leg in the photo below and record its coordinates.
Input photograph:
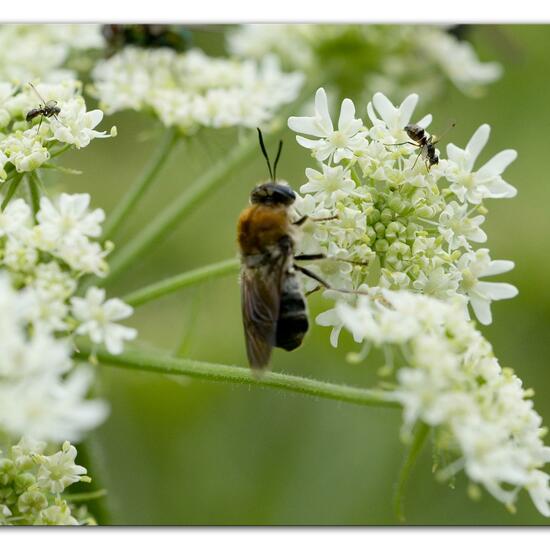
(416, 159)
(323, 283)
(40, 124)
(321, 256)
(303, 219)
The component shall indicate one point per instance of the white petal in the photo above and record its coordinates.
(347, 113)
(308, 143)
(372, 115)
(385, 107)
(497, 291)
(478, 141)
(425, 121)
(498, 163)
(306, 125)
(496, 267)
(321, 107)
(482, 310)
(407, 107)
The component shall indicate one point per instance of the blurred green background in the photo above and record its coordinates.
(186, 452)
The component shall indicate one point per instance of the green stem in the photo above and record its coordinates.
(172, 284)
(159, 361)
(419, 437)
(34, 190)
(166, 220)
(11, 190)
(142, 184)
(84, 497)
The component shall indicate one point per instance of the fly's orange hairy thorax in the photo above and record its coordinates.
(260, 227)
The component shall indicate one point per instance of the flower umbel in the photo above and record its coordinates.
(33, 482)
(448, 377)
(407, 220)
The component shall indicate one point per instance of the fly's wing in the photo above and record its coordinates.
(260, 301)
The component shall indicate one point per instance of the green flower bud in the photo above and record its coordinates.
(380, 229)
(381, 246)
(23, 481)
(386, 216)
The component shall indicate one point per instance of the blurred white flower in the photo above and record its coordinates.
(189, 90)
(449, 379)
(69, 219)
(458, 60)
(97, 318)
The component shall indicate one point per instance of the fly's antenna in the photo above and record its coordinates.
(262, 147)
(37, 93)
(277, 160)
(448, 129)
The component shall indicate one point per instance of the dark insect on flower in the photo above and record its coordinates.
(425, 142)
(176, 37)
(273, 304)
(46, 109)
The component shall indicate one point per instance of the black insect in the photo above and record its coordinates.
(425, 142)
(46, 109)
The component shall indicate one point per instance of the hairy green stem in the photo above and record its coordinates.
(159, 361)
(11, 190)
(419, 437)
(168, 218)
(142, 184)
(172, 284)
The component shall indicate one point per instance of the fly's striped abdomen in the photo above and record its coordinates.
(292, 324)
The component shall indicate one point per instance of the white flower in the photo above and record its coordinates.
(458, 60)
(398, 223)
(59, 470)
(25, 150)
(69, 219)
(483, 183)
(97, 318)
(394, 119)
(14, 218)
(191, 89)
(457, 228)
(438, 283)
(475, 265)
(338, 143)
(333, 184)
(400, 58)
(76, 125)
(481, 415)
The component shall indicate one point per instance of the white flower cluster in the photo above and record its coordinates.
(25, 146)
(448, 377)
(41, 395)
(32, 483)
(41, 51)
(189, 90)
(393, 58)
(413, 224)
